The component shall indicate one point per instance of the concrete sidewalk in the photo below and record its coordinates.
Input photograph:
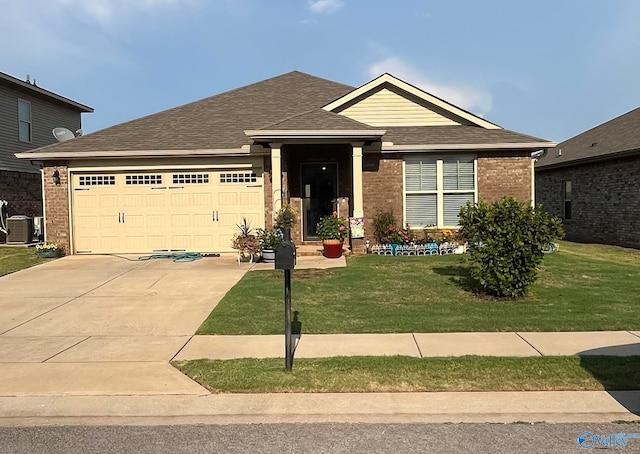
(611, 343)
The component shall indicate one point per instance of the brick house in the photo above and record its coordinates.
(184, 178)
(28, 114)
(592, 182)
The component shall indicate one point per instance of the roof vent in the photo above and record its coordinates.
(559, 151)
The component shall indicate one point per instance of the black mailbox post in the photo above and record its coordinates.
(286, 260)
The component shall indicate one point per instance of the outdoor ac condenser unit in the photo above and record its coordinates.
(19, 230)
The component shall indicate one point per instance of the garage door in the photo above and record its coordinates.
(142, 212)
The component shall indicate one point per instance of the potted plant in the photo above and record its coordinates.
(279, 222)
(49, 250)
(245, 242)
(269, 240)
(332, 230)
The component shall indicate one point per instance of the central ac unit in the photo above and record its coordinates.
(19, 230)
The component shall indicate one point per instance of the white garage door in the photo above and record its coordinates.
(142, 212)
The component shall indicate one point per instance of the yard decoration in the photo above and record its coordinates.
(506, 241)
(246, 242)
(49, 250)
(332, 230)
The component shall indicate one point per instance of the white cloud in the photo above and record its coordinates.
(474, 99)
(324, 6)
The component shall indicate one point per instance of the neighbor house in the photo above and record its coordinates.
(183, 179)
(28, 115)
(592, 182)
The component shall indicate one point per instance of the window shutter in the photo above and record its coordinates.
(422, 209)
(452, 204)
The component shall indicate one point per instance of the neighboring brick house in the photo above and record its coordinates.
(28, 115)
(184, 178)
(592, 182)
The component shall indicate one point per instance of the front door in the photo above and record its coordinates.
(319, 195)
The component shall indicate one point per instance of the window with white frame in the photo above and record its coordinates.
(436, 188)
(24, 121)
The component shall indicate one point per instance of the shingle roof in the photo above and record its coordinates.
(33, 88)
(216, 122)
(608, 140)
(318, 119)
(292, 101)
(409, 135)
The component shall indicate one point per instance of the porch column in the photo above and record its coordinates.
(276, 178)
(358, 204)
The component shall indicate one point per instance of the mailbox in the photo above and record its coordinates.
(285, 256)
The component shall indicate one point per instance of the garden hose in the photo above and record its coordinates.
(176, 257)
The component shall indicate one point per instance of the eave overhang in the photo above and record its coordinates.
(390, 147)
(51, 156)
(263, 135)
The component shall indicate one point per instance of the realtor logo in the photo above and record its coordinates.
(588, 440)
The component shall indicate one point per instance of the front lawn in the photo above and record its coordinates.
(14, 259)
(581, 288)
(406, 374)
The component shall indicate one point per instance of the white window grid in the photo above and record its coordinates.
(443, 199)
(241, 177)
(143, 179)
(97, 180)
(190, 178)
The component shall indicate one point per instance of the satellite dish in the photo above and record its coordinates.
(63, 134)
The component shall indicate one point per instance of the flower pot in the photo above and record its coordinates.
(332, 249)
(268, 255)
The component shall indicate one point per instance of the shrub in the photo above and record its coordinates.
(381, 223)
(506, 239)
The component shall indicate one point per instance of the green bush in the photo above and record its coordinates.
(506, 239)
(381, 223)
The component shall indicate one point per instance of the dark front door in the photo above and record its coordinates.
(319, 195)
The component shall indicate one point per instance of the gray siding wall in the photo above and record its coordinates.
(46, 114)
(605, 200)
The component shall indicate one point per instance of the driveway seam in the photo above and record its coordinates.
(633, 334)
(67, 302)
(530, 344)
(417, 346)
(182, 348)
(70, 347)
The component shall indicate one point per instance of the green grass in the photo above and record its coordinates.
(14, 259)
(407, 374)
(581, 288)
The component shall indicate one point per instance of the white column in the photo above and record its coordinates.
(276, 178)
(358, 204)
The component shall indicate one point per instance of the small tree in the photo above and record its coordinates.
(506, 239)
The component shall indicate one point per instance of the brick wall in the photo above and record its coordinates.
(57, 206)
(23, 191)
(605, 200)
(382, 189)
(501, 176)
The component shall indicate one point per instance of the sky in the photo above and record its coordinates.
(549, 68)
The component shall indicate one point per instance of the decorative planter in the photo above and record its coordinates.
(268, 255)
(48, 254)
(332, 249)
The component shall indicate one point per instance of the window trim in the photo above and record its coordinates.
(439, 191)
(29, 122)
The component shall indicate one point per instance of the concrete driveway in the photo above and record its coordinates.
(90, 325)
